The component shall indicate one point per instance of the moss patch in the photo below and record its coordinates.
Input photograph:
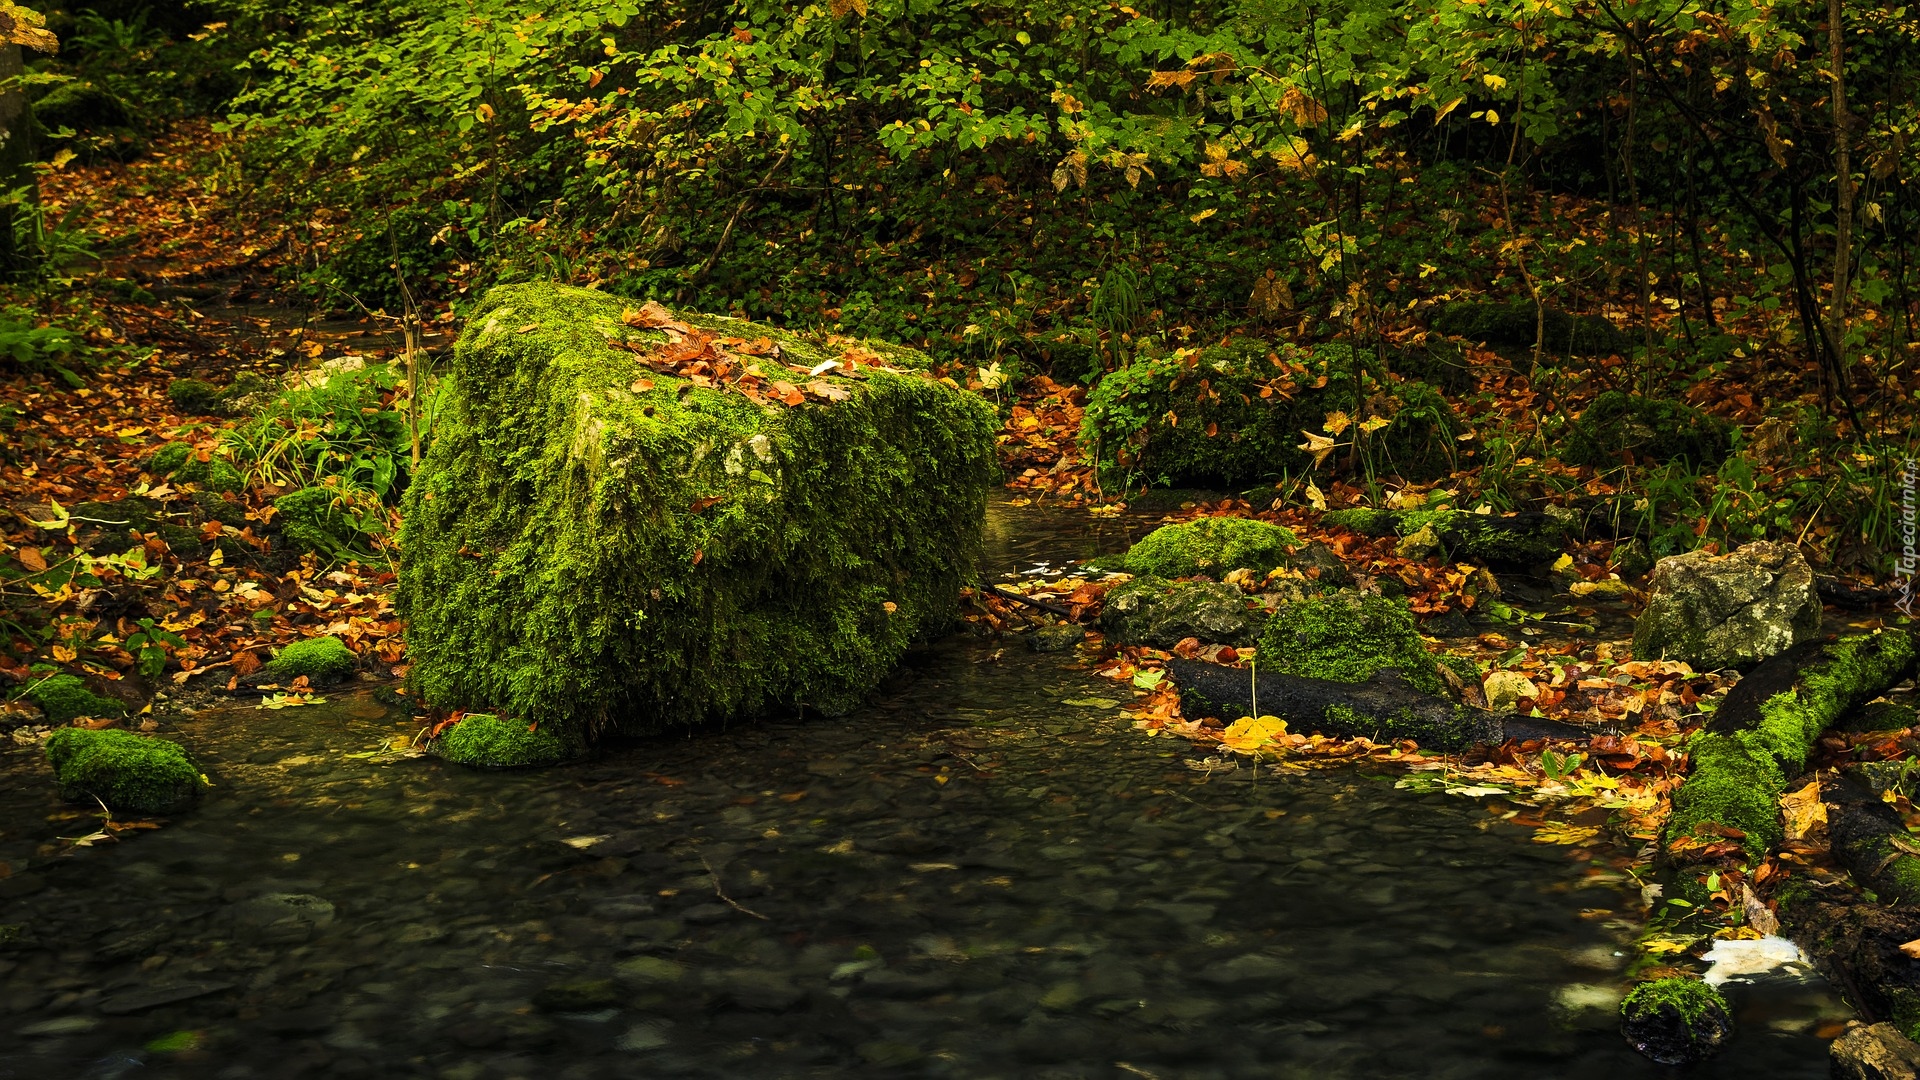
(1516, 324)
(65, 698)
(1617, 424)
(128, 772)
(1520, 540)
(322, 660)
(593, 544)
(1214, 546)
(181, 463)
(1232, 414)
(1737, 777)
(486, 741)
(315, 519)
(1676, 1020)
(1346, 637)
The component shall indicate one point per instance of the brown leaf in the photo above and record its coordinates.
(246, 662)
(641, 386)
(821, 388)
(787, 392)
(1912, 948)
(30, 558)
(703, 502)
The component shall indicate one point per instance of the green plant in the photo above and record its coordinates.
(150, 647)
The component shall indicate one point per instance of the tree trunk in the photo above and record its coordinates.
(1843, 198)
(16, 161)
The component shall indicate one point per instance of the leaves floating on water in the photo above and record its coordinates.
(288, 701)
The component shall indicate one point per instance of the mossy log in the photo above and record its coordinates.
(1869, 839)
(1856, 945)
(1384, 707)
(603, 537)
(1760, 737)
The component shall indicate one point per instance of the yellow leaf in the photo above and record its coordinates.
(1317, 497)
(1337, 422)
(484, 112)
(63, 654)
(1373, 423)
(1802, 810)
(1203, 215)
(1494, 82)
(1249, 734)
(1441, 113)
(1317, 445)
(217, 558)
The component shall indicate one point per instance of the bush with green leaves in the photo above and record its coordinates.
(349, 428)
(31, 344)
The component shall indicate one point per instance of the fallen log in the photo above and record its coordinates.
(1869, 839)
(1760, 736)
(1383, 707)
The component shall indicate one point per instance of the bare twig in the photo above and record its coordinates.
(724, 898)
(727, 233)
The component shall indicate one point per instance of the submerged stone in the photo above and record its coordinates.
(1721, 611)
(596, 541)
(127, 772)
(1676, 1021)
(1153, 611)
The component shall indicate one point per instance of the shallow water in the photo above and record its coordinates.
(967, 878)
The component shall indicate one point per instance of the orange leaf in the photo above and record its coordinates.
(30, 558)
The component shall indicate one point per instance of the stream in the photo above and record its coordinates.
(984, 872)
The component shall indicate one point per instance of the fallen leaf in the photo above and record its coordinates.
(1803, 809)
(30, 558)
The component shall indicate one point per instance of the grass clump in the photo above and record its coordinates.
(322, 660)
(595, 543)
(128, 772)
(65, 698)
(487, 741)
(1346, 637)
(1214, 546)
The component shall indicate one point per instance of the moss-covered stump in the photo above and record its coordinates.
(1232, 414)
(1676, 1021)
(1728, 611)
(322, 661)
(1619, 427)
(607, 536)
(1346, 637)
(65, 698)
(1156, 612)
(1214, 546)
(486, 741)
(1761, 734)
(130, 773)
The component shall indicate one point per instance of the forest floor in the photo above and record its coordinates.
(188, 286)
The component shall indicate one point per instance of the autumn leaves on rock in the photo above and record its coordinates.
(633, 518)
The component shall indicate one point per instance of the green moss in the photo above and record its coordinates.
(65, 698)
(322, 660)
(1462, 666)
(1212, 545)
(1692, 1000)
(1737, 778)
(315, 519)
(583, 555)
(1347, 637)
(168, 458)
(1363, 520)
(1650, 429)
(486, 741)
(128, 772)
(194, 396)
(1518, 324)
(1231, 415)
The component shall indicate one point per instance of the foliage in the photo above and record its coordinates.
(348, 427)
(29, 343)
(1617, 425)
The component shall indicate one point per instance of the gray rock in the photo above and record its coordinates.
(153, 997)
(1156, 612)
(1875, 1052)
(1721, 611)
(1058, 637)
(1250, 969)
(750, 988)
(61, 1025)
(284, 917)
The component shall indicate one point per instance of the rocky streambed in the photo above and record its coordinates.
(983, 872)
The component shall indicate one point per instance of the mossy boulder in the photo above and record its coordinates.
(1347, 636)
(593, 542)
(1728, 611)
(1214, 546)
(315, 519)
(194, 396)
(65, 698)
(323, 660)
(1231, 415)
(1618, 426)
(183, 464)
(1527, 539)
(130, 773)
(1676, 1021)
(1517, 324)
(1156, 612)
(487, 741)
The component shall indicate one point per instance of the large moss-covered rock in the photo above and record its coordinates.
(486, 741)
(1214, 546)
(1346, 637)
(1153, 611)
(1650, 430)
(1233, 414)
(1728, 611)
(321, 661)
(128, 772)
(1676, 1021)
(593, 542)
